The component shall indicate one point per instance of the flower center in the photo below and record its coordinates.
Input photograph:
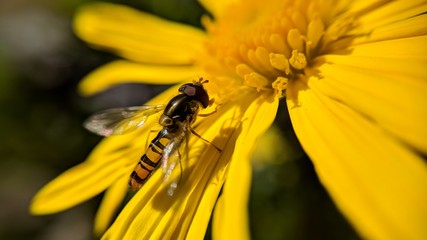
(267, 43)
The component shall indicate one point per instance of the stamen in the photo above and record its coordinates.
(280, 62)
(253, 58)
(315, 31)
(243, 69)
(256, 80)
(338, 28)
(262, 55)
(278, 44)
(295, 40)
(298, 60)
(299, 21)
(266, 51)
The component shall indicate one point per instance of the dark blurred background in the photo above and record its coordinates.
(41, 134)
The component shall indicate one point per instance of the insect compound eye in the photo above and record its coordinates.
(190, 91)
(197, 92)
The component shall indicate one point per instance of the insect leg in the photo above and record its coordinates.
(211, 113)
(174, 184)
(213, 145)
(208, 114)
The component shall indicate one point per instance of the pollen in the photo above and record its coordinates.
(271, 45)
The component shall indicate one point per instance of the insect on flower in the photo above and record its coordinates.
(177, 119)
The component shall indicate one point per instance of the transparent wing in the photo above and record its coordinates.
(174, 152)
(120, 120)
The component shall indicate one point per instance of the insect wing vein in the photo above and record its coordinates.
(120, 120)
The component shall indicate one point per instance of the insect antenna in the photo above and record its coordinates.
(202, 81)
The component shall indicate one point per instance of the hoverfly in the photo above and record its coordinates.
(178, 116)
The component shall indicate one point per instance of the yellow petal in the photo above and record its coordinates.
(77, 184)
(376, 181)
(409, 21)
(230, 217)
(138, 36)
(383, 87)
(391, 12)
(121, 71)
(111, 201)
(402, 48)
(186, 214)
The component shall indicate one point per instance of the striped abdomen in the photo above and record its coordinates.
(149, 161)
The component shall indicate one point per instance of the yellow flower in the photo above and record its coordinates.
(353, 73)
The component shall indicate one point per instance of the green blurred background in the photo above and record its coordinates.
(41, 134)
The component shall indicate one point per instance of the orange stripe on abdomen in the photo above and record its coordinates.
(148, 163)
